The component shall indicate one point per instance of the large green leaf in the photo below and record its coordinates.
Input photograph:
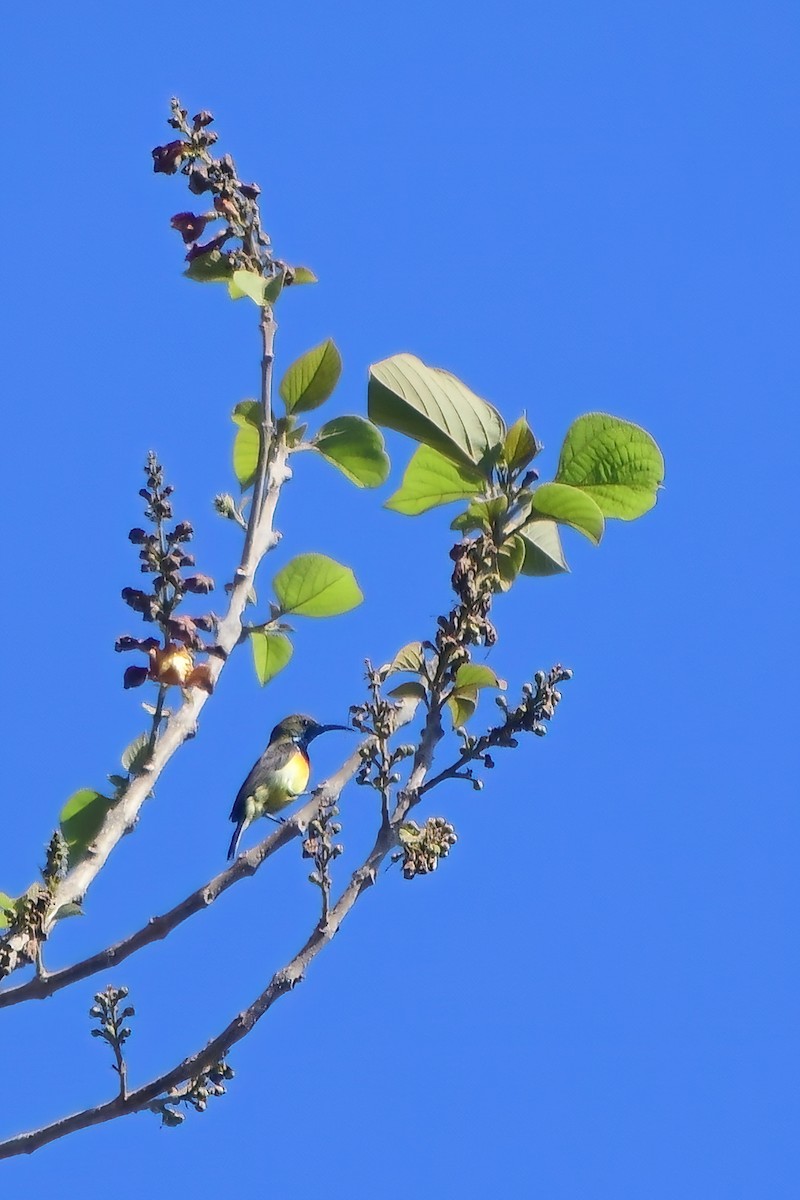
(520, 446)
(570, 506)
(477, 675)
(356, 447)
(82, 819)
(313, 585)
(434, 407)
(431, 479)
(617, 463)
(311, 379)
(543, 552)
(247, 415)
(271, 653)
(247, 283)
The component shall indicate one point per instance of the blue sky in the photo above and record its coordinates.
(572, 206)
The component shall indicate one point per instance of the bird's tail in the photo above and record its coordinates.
(237, 833)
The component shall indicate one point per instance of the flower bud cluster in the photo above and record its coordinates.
(422, 847)
(163, 555)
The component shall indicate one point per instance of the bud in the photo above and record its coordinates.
(134, 677)
(225, 505)
(199, 584)
(199, 181)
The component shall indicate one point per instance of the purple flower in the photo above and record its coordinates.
(189, 225)
(166, 159)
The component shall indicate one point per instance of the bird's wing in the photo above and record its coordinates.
(273, 758)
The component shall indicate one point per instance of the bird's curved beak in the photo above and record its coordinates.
(318, 729)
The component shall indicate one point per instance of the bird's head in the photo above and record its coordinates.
(301, 729)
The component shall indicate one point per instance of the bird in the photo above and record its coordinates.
(280, 775)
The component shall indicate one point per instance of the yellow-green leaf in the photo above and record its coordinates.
(271, 653)
(616, 462)
(462, 705)
(510, 560)
(434, 407)
(356, 447)
(408, 658)
(570, 506)
(6, 904)
(477, 675)
(313, 585)
(214, 267)
(543, 552)
(520, 446)
(481, 514)
(82, 819)
(302, 275)
(247, 283)
(311, 379)
(431, 479)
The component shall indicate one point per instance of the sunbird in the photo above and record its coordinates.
(280, 775)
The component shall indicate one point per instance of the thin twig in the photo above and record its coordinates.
(267, 326)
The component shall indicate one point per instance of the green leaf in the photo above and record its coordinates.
(617, 463)
(477, 675)
(247, 412)
(245, 454)
(543, 553)
(271, 653)
(481, 514)
(214, 267)
(510, 560)
(520, 446)
(82, 819)
(570, 506)
(462, 705)
(302, 275)
(313, 585)
(311, 379)
(434, 407)
(411, 692)
(408, 658)
(6, 903)
(247, 283)
(136, 754)
(274, 286)
(431, 479)
(356, 447)
(247, 415)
